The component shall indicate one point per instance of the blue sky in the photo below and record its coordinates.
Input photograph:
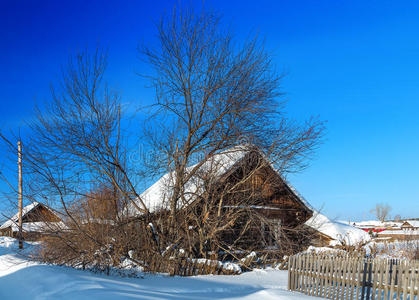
(354, 64)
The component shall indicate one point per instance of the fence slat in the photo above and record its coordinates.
(416, 284)
(405, 281)
(335, 279)
(380, 279)
(386, 281)
(294, 273)
(312, 276)
(290, 272)
(360, 271)
(330, 281)
(342, 279)
(374, 279)
(323, 271)
(352, 281)
(393, 270)
(348, 278)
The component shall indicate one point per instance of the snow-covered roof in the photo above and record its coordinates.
(337, 231)
(399, 232)
(38, 226)
(376, 224)
(12, 222)
(15, 218)
(156, 196)
(414, 223)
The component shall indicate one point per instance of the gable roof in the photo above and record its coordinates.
(413, 223)
(218, 165)
(25, 210)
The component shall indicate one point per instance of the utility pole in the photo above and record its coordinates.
(19, 150)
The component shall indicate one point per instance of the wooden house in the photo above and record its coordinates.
(36, 219)
(410, 225)
(264, 189)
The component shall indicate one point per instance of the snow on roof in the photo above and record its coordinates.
(156, 196)
(337, 231)
(376, 223)
(399, 232)
(15, 218)
(414, 223)
(39, 226)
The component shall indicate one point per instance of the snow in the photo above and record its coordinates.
(337, 231)
(399, 232)
(322, 250)
(393, 249)
(21, 278)
(39, 226)
(155, 197)
(378, 224)
(14, 219)
(31, 226)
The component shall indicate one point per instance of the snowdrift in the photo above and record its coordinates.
(339, 232)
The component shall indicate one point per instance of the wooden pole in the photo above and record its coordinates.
(19, 147)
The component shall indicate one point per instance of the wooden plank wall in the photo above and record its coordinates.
(349, 277)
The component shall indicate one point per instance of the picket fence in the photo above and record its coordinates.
(349, 277)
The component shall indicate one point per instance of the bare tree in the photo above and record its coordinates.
(218, 129)
(75, 159)
(213, 95)
(381, 211)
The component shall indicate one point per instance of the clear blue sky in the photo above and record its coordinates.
(353, 63)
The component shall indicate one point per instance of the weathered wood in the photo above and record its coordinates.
(304, 277)
(348, 281)
(393, 279)
(344, 277)
(323, 284)
(374, 278)
(311, 275)
(289, 285)
(335, 279)
(329, 279)
(319, 266)
(386, 280)
(380, 285)
(416, 282)
(360, 274)
(406, 279)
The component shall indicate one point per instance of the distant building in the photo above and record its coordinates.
(410, 225)
(377, 226)
(36, 219)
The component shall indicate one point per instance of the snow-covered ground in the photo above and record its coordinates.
(21, 278)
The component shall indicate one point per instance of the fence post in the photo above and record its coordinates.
(289, 272)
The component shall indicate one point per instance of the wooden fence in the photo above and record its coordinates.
(344, 278)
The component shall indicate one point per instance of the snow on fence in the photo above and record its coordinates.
(360, 278)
